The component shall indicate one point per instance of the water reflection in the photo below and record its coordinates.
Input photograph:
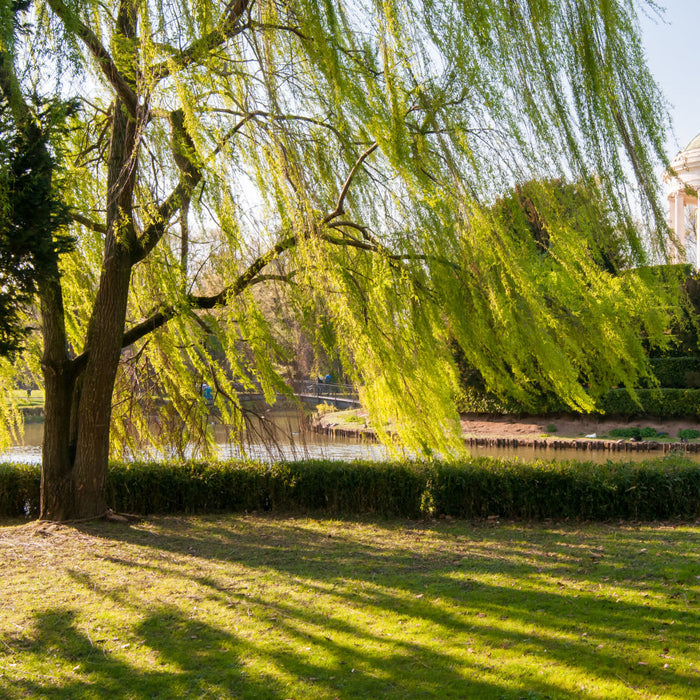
(275, 434)
(282, 434)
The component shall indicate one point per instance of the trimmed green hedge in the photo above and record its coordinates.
(677, 372)
(19, 489)
(478, 488)
(656, 403)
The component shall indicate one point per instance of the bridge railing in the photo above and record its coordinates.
(321, 389)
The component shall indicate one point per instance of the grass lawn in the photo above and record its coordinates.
(35, 400)
(290, 607)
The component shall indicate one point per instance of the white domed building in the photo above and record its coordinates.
(683, 183)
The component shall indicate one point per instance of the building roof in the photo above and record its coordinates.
(695, 143)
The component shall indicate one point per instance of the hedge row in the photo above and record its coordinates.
(478, 488)
(677, 372)
(656, 403)
(19, 489)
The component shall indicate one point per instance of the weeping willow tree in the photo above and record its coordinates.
(349, 151)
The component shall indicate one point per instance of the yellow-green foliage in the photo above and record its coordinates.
(10, 416)
(353, 152)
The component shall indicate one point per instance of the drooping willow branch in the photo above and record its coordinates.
(100, 54)
(253, 273)
(228, 28)
(247, 279)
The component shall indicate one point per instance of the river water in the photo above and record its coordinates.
(277, 434)
(282, 434)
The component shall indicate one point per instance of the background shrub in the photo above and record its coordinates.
(656, 403)
(677, 372)
(19, 489)
(634, 432)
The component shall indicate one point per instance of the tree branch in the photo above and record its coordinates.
(344, 192)
(228, 28)
(88, 223)
(190, 175)
(379, 249)
(247, 116)
(157, 320)
(154, 232)
(234, 130)
(99, 52)
(246, 279)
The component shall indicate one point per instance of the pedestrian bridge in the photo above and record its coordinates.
(340, 395)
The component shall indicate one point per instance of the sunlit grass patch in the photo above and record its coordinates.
(271, 607)
(32, 399)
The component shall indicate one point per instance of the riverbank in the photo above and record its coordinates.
(552, 432)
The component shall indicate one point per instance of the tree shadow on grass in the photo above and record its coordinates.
(178, 658)
(329, 605)
(553, 628)
(190, 659)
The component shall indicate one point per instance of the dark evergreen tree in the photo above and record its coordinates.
(32, 218)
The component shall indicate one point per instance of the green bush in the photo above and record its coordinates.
(634, 433)
(19, 489)
(474, 488)
(655, 403)
(659, 403)
(677, 372)
(688, 434)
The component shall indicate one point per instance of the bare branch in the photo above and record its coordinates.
(234, 130)
(246, 279)
(88, 223)
(344, 192)
(379, 249)
(277, 117)
(349, 224)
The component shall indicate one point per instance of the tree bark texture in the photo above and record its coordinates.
(78, 409)
(57, 502)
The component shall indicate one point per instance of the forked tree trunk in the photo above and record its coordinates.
(78, 403)
(78, 408)
(75, 451)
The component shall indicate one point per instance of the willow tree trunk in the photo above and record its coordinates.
(78, 404)
(59, 379)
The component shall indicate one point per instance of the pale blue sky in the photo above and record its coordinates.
(673, 52)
